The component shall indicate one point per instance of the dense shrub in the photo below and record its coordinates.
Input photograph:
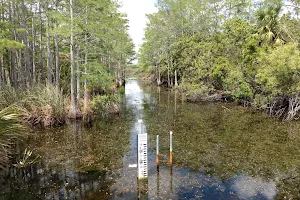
(106, 104)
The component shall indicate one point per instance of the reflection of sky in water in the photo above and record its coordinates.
(249, 187)
(134, 94)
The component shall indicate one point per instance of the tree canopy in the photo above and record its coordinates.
(248, 49)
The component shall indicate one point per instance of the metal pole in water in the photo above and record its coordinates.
(157, 152)
(171, 151)
(157, 184)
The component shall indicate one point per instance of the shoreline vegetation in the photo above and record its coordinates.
(284, 108)
(58, 62)
(243, 52)
(47, 106)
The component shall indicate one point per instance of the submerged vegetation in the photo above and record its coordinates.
(225, 141)
(244, 51)
(10, 131)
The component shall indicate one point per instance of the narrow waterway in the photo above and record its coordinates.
(220, 151)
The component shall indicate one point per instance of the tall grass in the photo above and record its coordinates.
(47, 106)
(44, 105)
(10, 131)
(9, 96)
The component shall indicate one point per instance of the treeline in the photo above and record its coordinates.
(78, 46)
(247, 51)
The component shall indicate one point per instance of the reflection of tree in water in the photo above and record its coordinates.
(40, 182)
(224, 140)
(76, 162)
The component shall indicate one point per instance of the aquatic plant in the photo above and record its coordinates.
(221, 139)
(26, 159)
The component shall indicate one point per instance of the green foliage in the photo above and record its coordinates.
(261, 101)
(280, 69)
(250, 56)
(106, 104)
(5, 42)
(121, 90)
(195, 88)
(267, 20)
(99, 78)
(41, 41)
(9, 44)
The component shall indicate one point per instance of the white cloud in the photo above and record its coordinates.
(136, 11)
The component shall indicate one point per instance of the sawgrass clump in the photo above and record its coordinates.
(44, 105)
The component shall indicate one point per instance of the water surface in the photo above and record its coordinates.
(220, 151)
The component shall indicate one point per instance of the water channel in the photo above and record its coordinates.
(220, 151)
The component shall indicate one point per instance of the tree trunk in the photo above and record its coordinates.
(78, 72)
(4, 71)
(85, 106)
(19, 72)
(171, 66)
(26, 50)
(41, 64)
(1, 64)
(57, 69)
(1, 72)
(12, 58)
(176, 84)
(158, 79)
(72, 113)
(21, 69)
(13, 69)
(124, 75)
(119, 81)
(168, 71)
(33, 52)
(49, 63)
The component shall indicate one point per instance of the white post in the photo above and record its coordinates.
(140, 126)
(142, 156)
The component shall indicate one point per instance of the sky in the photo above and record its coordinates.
(136, 11)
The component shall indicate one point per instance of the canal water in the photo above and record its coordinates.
(220, 151)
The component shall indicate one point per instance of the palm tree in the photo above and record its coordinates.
(268, 21)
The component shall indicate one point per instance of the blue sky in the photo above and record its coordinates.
(136, 11)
